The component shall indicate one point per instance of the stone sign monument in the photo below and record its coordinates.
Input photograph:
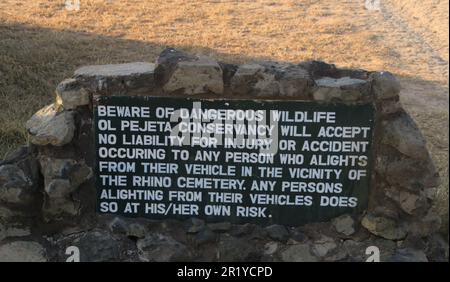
(190, 159)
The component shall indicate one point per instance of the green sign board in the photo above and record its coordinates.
(267, 161)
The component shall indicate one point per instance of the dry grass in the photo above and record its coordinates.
(41, 43)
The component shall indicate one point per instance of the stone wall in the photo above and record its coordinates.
(47, 192)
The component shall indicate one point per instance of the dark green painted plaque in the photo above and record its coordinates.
(259, 161)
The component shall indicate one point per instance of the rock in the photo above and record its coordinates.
(412, 175)
(412, 241)
(402, 171)
(51, 126)
(258, 233)
(196, 225)
(118, 226)
(317, 69)
(344, 224)
(205, 236)
(196, 77)
(245, 78)
(277, 232)
(22, 251)
(59, 188)
(129, 229)
(70, 94)
(343, 89)
(95, 246)
(410, 203)
(179, 72)
(298, 236)
(63, 176)
(24, 158)
(15, 186)
(403, 134)
(136, 230)
(388, 209)
(232, 249)
(159, 247)
(295, 83)
(384, 227)
(270, 248)
(425, 225)
(242, 229)
(11, 215)
(13, 231)
(271, 79)
(167, 62)
(408, 255)
(351, 250)
(437, 248)
(228, 71)
(220, 226)
(117, 79)
(284, 79)
(323, 246)
(58, 208)
(384, 85)
(431, 193)
(390, 106)
(298, 253)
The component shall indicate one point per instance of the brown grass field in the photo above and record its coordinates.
(41, 42)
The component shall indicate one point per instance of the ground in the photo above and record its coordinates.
(42, 42)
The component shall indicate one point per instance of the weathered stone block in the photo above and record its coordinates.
(408, 255)
(51, 126)
(342, 89)
(15, 187)
(22, 251)
(118, 79)
(190, 75)
(323, 246)
(277, 232)
(167, 62)
(298, 253)
(158, 247)
(384, 85)
(62, 177)
(70, 94)
(384, 227)
(220, 226)
(97, 246)
(267, 79)
(236, 249)
(426, 225)
(344, 224)
(411, 203)
(403, 171)
(403, 134)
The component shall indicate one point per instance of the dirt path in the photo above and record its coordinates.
(436, 64)
(427, 102)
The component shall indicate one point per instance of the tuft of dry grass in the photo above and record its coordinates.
(41, 43)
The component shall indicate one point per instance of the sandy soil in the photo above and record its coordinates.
(41, 42)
